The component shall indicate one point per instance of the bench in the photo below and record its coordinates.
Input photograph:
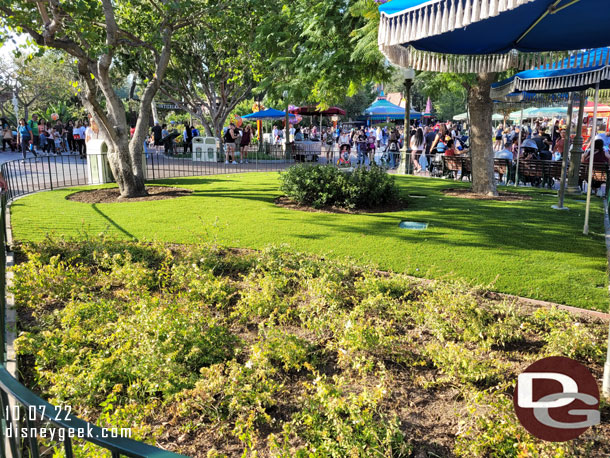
(454, 164)
(503, 168)
(538, 172)
(600, 175)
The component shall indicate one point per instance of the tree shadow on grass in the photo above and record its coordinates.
(112, 222)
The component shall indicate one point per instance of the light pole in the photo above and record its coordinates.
(405, 152)
(576, 151)
(287, 125)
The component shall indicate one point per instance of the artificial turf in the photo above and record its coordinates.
(522, 247)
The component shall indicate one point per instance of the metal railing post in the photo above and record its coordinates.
(50, 174)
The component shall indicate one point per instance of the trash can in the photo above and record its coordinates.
(98, 167)
(198, 148)
(205, 149)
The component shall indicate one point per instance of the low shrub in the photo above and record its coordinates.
(335, 422)
(326, 186)
(276, 353)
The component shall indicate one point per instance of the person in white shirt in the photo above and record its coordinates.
(276, 135)
(505, 153)
(79, 133)
(92, 132)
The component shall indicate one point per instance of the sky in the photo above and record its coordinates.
(9, 46)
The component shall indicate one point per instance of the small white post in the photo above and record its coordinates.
(519, 148)
(591, 156)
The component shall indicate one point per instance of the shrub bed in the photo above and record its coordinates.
(214, 352)
(323, 186)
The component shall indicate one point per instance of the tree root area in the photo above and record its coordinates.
(502, 195)
(112, 195)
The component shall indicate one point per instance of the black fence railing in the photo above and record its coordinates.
(34, 414)
(51, 172)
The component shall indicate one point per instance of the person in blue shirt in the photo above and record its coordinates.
(24, 136)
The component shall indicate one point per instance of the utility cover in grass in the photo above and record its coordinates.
(413, 225)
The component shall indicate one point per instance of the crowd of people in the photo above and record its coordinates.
(235, 140)
(547, 141)
(386, 142)
(38, 136)
(544, 140)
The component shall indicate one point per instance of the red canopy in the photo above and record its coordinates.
(600, 108)
(312, 110)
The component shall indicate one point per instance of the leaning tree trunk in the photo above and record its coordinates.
(481, 146)
(112, 122)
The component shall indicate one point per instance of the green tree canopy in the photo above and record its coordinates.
(105, 37)
(321, 51)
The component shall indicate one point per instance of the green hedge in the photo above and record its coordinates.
(323, 186)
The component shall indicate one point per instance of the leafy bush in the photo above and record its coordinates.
(323, 186)
(335, 422)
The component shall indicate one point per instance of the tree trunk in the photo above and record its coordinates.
(206, 126)
(481, 146)
(218, 133)
(120, 158)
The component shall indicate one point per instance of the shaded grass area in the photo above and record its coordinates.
(523, 248)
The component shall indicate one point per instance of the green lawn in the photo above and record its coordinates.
(522, 248)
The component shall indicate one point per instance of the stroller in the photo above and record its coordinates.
(344, 153)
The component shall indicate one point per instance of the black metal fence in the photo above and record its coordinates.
(50, 172)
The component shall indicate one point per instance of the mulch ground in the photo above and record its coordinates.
(502, 196)
(285, 202)
(112, 195)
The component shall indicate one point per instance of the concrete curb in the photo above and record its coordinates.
(606, 376)
(10, 326)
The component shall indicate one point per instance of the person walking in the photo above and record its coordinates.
(7, 137)
(79, 138)
(229, 139)
(70, 137)
(237, 134)
(360, 140)
(187, 136)
(24, 137)
(246, 138)
(157, 133)
(418, 154)
(35, 132)
(328, 143)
